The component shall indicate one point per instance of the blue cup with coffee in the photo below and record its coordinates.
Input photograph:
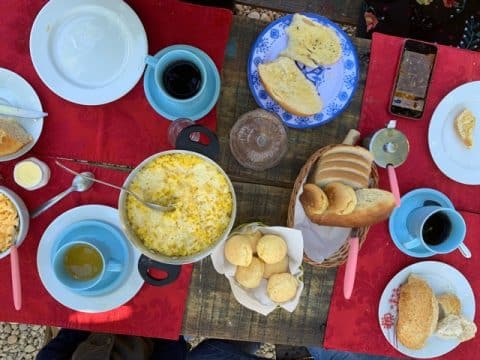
(434, 228)
(180, 75)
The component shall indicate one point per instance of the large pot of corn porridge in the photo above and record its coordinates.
(204, 202)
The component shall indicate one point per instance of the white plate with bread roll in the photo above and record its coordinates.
(18, 135)
(263, 266)
(454, 137)
(427, 310)
(305, 88)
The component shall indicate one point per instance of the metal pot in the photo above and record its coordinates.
(151, 259)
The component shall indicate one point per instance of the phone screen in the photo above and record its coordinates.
(413, 79)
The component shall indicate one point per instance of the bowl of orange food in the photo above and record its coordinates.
(204, 207)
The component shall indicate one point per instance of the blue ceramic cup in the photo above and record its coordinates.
(69, 281)
(162, 63)
(436, 229)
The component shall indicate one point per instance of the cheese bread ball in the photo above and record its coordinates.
(251, 275)
(282, 287)
(271, 248)
(238, 250)
(276, 268)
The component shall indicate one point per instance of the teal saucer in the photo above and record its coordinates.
(397, 223)
(195, 109)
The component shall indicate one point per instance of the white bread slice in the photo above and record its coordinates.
(12, 137)
(464, 125)
(346, 165)
(311, 43)
(417, 313)
(346, 157)
(349, 149)
(287, 85)
(456, 327)
(373, 206)
(323, 176)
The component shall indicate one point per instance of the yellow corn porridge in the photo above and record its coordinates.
(8, 222)
(202, 200)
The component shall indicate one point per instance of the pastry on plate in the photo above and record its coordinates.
(282, 287)
(456, 327)
(449, 304)
(464, 126)
(238, 250)
(287, 85)
(311, 43)
(251, 275)
(12, 137)
(417, 313)
(271, 248)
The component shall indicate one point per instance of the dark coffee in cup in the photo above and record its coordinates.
(182, 79)
(436, 229)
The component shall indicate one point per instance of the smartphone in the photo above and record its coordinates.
(413, 79)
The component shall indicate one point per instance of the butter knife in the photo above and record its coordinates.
(8, 110)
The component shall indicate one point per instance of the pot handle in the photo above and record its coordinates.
(145, 263)
(184, 142)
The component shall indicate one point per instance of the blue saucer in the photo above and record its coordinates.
(193, 110)
(110, 236)
(397, 223)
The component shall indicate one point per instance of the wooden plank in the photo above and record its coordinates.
(236, 99)
(343, 11)
(212, 310)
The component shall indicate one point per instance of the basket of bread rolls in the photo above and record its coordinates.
(263, 266)
(335, 192)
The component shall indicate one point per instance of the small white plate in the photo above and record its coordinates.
(441, 278)
(76, 301)
(16, 91)
(451, 156)
(89, 52)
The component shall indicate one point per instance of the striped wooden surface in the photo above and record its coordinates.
(212, 311)
(343, 11)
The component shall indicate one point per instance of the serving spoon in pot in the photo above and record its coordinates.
(149, 204)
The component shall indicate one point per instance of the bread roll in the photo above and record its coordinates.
(12, 137)
(314, 198)
(417, 313)
(464, 126)
(251, 275)
(254, 237)
(449, 304)
(341, 198)
(287, 85)
(456, 327)
(282, 287)
(373, 206)
(271, 248)
(311, 43)
(276, 268)
(238, 250)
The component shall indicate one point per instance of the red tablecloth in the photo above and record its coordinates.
(127, 130)
(123, 132)
(353, 325)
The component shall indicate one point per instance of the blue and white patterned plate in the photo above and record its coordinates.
(335, 83)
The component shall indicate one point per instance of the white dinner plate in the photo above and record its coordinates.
(89, 52)
(73, 300)
(16, 91)
(449, 153)
(442, 278)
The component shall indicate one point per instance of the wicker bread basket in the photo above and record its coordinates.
(340, 256)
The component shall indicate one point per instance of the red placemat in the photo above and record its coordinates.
(128, 130)
(154, 311)
(353, 325)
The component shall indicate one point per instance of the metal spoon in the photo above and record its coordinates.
(149, 204)
(81, 182)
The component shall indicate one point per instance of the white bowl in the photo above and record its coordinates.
(23, 216)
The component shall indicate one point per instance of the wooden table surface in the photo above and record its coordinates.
(211, 310)
(343, 11)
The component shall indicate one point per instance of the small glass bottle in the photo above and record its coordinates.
(31, 173)
(176, 127)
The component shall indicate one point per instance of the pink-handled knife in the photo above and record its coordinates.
(16, 282)
(351, 268)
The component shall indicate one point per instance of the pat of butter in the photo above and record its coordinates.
(31, 174)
